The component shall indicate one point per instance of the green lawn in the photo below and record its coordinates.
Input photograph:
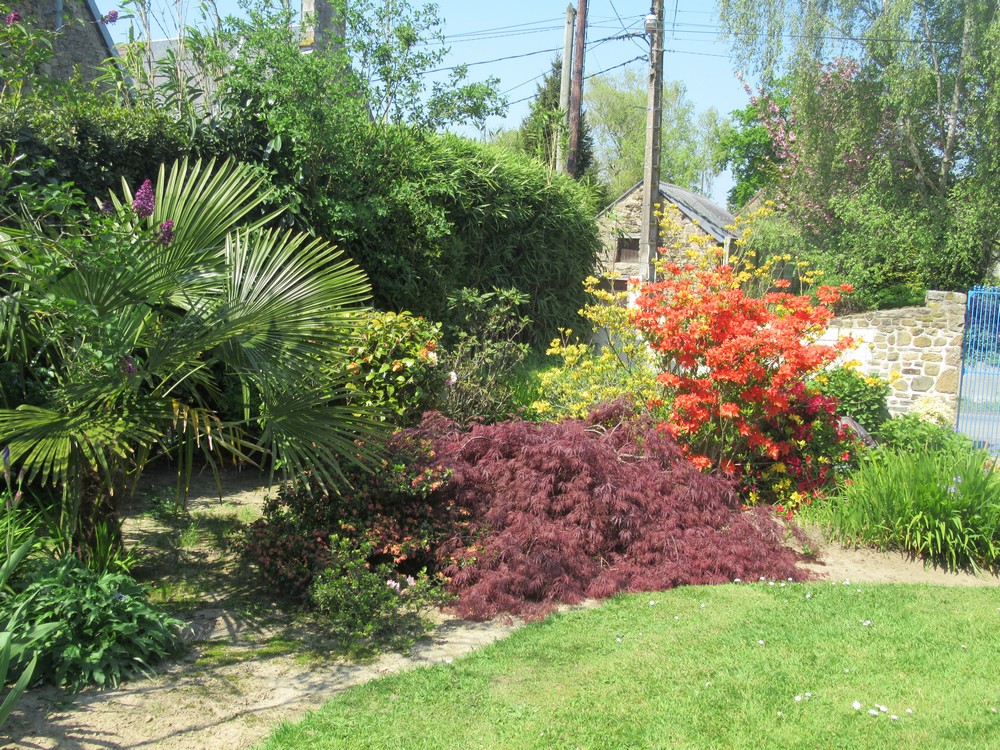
(738, 666)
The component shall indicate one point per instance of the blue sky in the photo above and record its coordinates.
(513, 39)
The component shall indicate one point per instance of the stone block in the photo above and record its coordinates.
(922, 384)
(923, 341)
(903, 338)
(932, 369)
(948, 381)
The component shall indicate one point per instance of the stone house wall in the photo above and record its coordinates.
(917, 349)
(624, 219)
(82, 43)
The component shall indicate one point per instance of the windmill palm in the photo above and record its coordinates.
(133, 319)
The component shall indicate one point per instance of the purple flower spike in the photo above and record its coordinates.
(144, 202)
(166, 234)
(111, 17)
(107, 208)
(13, 17)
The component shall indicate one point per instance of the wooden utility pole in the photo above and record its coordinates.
(650, 235)
(567, 58)
(576, 89)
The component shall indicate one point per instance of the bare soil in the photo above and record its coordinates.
(250, 666)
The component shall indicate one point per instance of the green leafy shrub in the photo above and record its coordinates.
(863, 397)
(395, 509)
(484, 349)
(942, 505)
(363, 601)
(106, 628)
(15, 640)
(591, 373)
(288, 552)
(395, 364)
(911, 433)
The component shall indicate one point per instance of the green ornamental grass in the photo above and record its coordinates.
(942, 506)
(762, 665)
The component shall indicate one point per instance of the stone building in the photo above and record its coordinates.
(83, 42)
(703, 223)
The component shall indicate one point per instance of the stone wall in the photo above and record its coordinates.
(82, 43)
(917, 349)
(624, 219)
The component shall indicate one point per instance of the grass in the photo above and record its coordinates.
(702, 667)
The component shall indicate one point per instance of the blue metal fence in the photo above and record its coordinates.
(979, 392)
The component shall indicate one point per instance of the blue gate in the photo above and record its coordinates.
(979, 392)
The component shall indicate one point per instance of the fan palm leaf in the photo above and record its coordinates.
(138, 329)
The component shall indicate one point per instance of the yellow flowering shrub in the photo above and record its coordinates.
(592, 373)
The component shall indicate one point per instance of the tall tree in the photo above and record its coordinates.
(393, 45)
(616, 106)
(890, 175)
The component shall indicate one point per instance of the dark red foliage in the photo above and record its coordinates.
(558, 512)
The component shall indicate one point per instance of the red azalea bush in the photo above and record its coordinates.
(559, 512)
(736, 365)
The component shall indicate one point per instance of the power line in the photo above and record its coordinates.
(594, 43)
(615, 67)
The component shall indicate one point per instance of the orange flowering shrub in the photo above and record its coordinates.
(735, 365)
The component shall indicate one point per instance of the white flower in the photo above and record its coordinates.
(652, 603)
(808, 696)
(909, 710)
(894, 717)
(798, 698)
(737, 580)
(856, 705)
(872, 712)
(432, 357)
(677, 617)
(847, 582)
(452, 378)
(883, 709)
(761, 641)
(867, 623)
(809, 596)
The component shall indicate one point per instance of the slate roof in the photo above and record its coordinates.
(710, 216)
